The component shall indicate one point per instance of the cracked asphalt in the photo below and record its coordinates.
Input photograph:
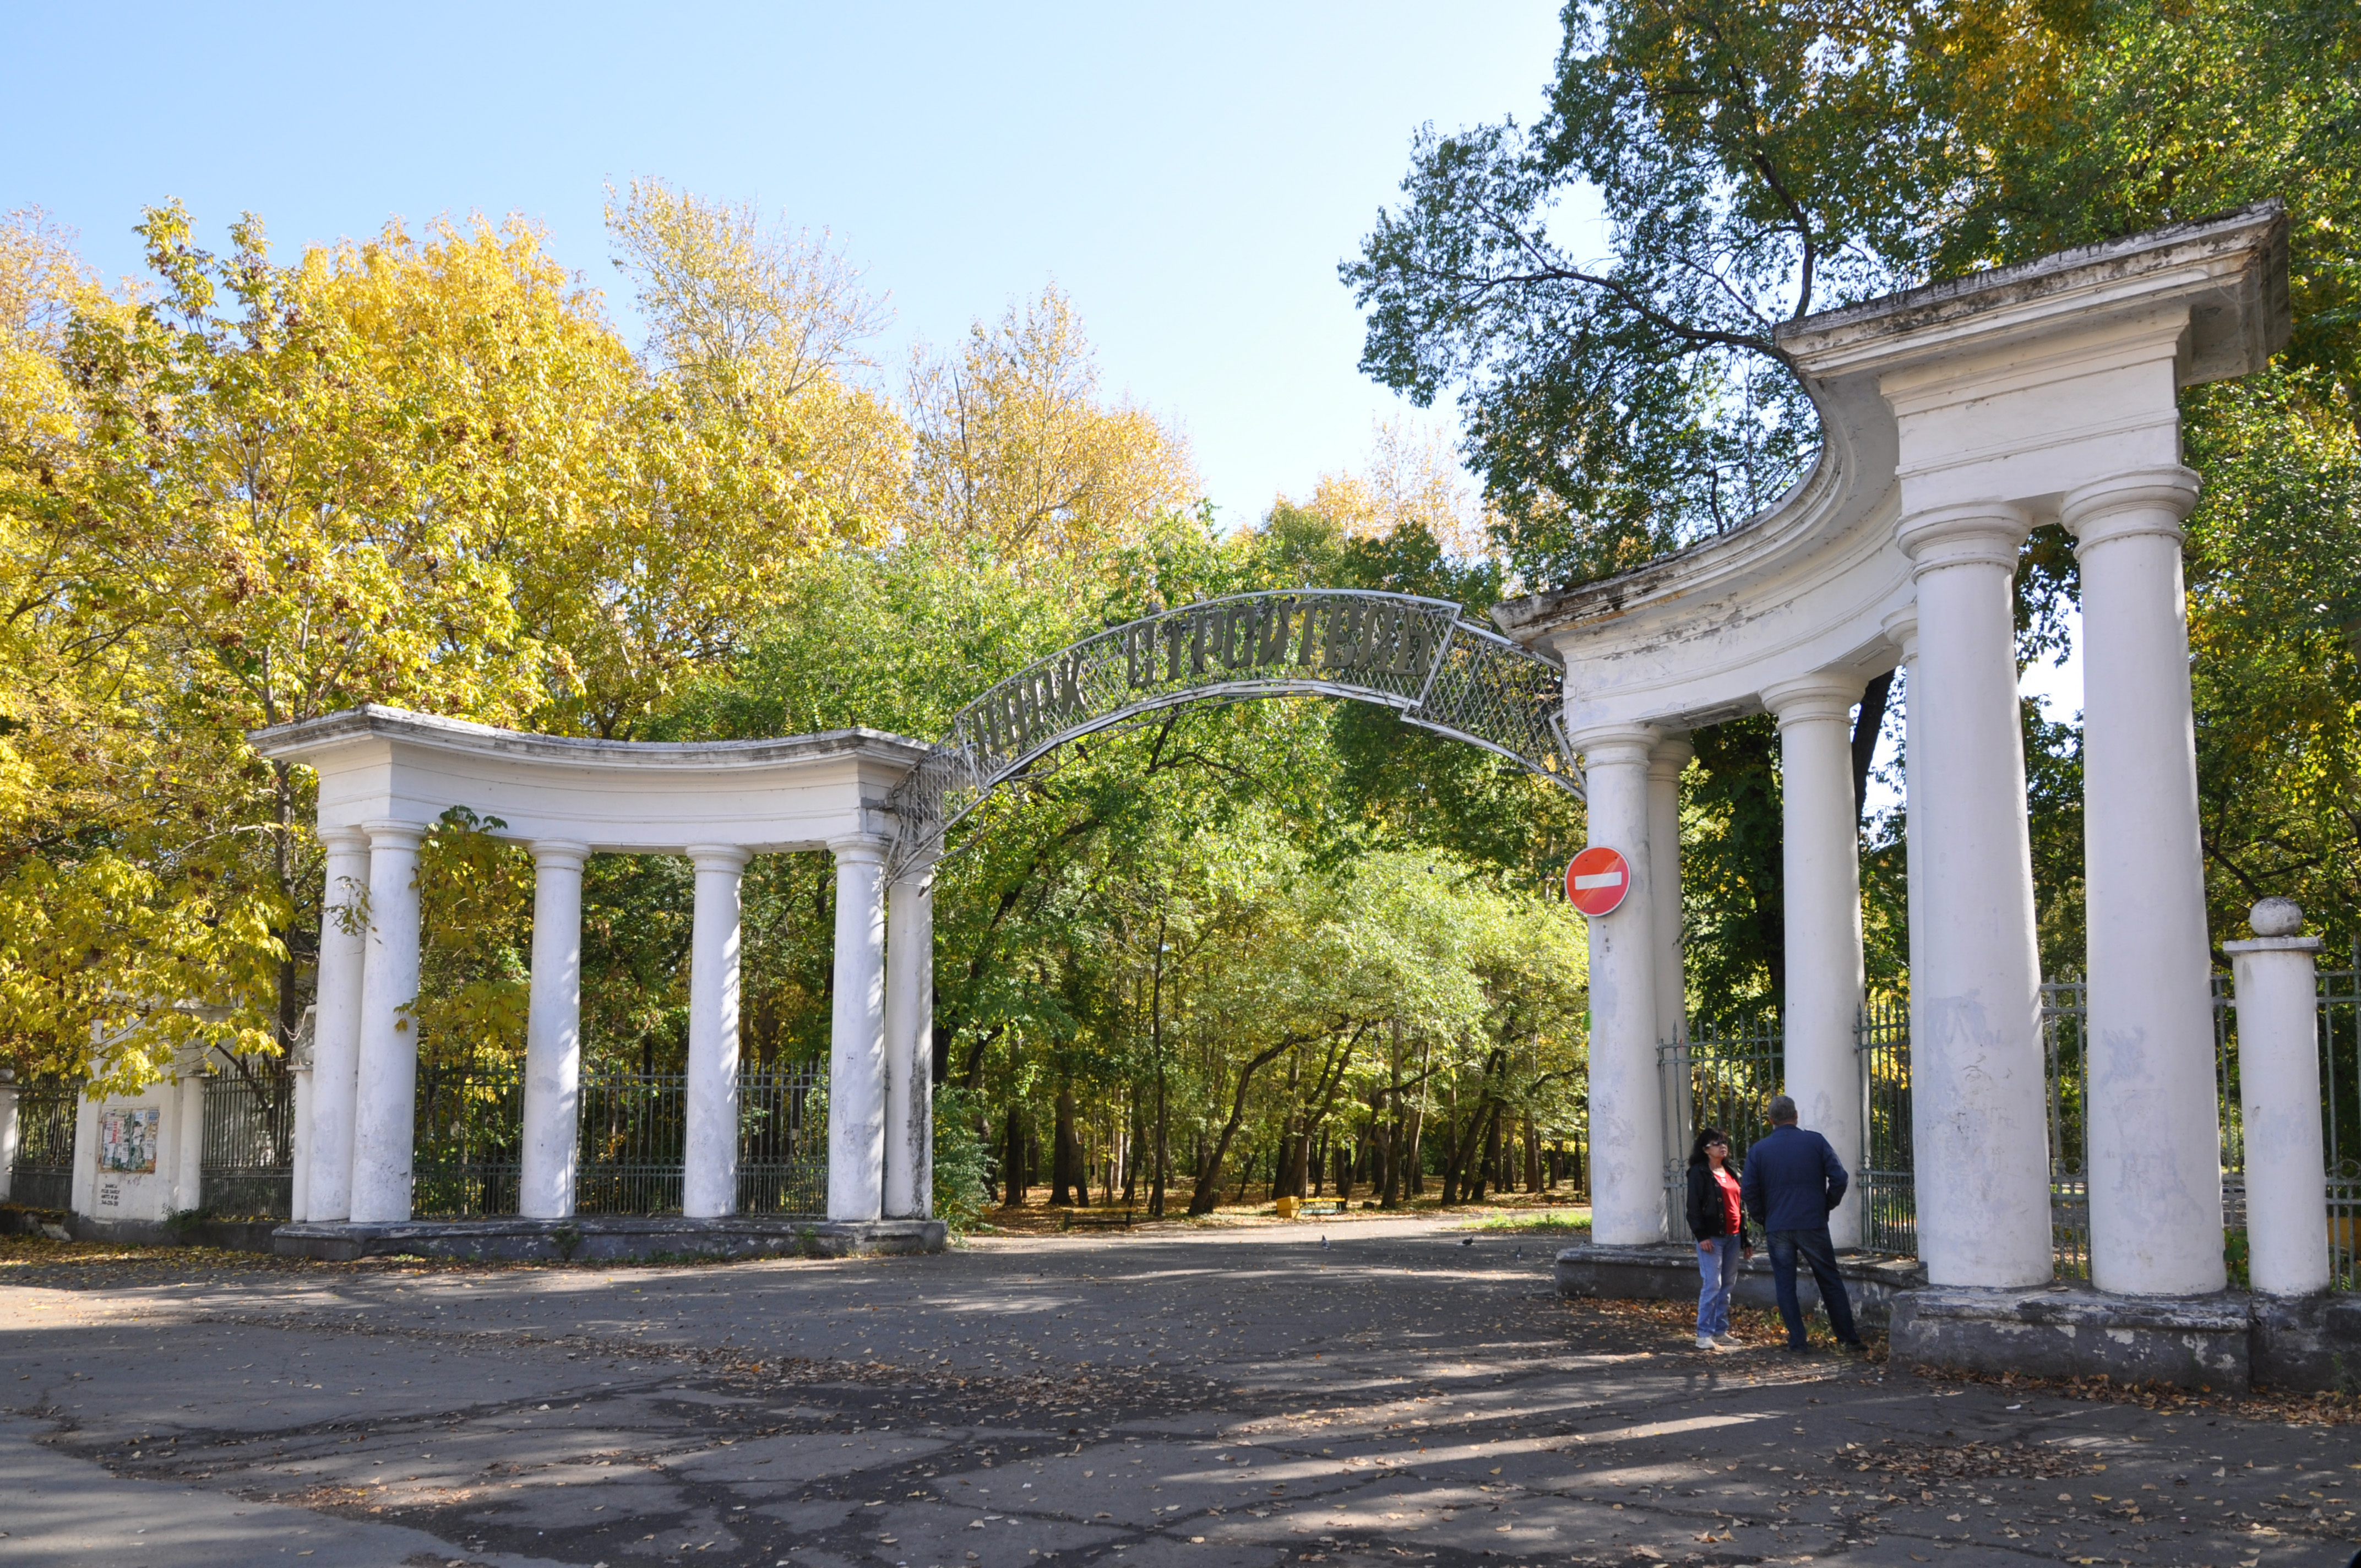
(1171, 1397)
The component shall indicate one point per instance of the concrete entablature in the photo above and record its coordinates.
(387, 764)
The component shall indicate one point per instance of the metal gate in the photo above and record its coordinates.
(246, 1162)
(41, 1176)
(1722, 1076)
(1889, 1189)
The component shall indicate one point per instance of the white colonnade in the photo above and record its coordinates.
(388, 775)
(1956, 418)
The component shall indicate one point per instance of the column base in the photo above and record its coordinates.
(1668, 1272)
(2196, 1341)
(611, 1238)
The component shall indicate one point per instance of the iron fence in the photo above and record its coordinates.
(246, 1160)
(2340, 1093)
(1721, 1075)
(1887, 1176)
(41, 1176)
(634, 1143)
(782, 1140)
(633, 1148)
(2065, 1013)
(467, 1140)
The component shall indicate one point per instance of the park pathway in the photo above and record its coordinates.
(1173, 1398)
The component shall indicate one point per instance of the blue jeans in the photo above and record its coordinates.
(1820, 1254)
(1717, 1262)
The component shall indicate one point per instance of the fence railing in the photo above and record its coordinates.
(633, 1141)
(1722, 1076)
(245, 1161)
(1725, 1077)
(2340, 1093)
(41, 1176)
(1888, 1175)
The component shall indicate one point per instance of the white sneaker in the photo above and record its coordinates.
(1723, 1342)
(1705, 1342)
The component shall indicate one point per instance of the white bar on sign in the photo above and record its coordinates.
(1601, 879)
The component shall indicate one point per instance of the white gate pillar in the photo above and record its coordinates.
(1978, 1096)
(709, 1174)
(337, 1025)
(1666, 759)
(1627, 1199)
(2278, 1089)
(386, 1085)
(1820, 881)
(2155, 1125)
(7, 1128)
(856, 1080)
(553, 1032)
(910, 1045)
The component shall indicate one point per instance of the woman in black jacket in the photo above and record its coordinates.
(1719, 1225)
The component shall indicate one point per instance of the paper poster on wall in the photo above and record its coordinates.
(126, 1139)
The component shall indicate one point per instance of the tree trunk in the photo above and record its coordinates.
(1209, 1184)
(1013, 1158)
(1066, 1174)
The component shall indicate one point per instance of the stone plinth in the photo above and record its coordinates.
(599, 1238)
(2195, 1342)
(1669, 1273)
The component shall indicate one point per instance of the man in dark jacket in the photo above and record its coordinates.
(1793, 1181)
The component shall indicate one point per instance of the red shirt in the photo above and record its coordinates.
(1729, 1185)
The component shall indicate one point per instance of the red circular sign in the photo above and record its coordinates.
(1597, 880)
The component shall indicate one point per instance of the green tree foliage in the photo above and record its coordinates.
(1621, 394)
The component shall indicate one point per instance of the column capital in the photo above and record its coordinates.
(344, 841)
(1668, 756)
(385, 833)
(1970, 533)
(2123, 506)
(919, 874)
(1902, 630)
(1613, 743)
(718, 857)
(859, 847)
(564, 854)
(1814, 697)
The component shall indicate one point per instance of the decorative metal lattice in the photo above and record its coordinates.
(1415, 655)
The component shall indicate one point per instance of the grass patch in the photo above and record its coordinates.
(1548, 1221)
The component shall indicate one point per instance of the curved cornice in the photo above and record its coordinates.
(1957, 373)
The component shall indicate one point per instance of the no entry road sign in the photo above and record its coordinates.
(1597, 880)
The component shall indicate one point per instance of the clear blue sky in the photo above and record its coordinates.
(1191, 175)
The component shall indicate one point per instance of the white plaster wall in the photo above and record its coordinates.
(112, 1196)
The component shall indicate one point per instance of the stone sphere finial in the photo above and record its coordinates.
(2275, 917)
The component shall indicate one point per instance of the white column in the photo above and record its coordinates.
(188, 1144)
(1820, 883)
(1979, 1096)
(710, 1182)
(2155, 1123)
(299, 1202)
(856, 1074)
(1666, 761)
(2278, 1089)
(553, 1032)
(386, 1085)
(8, 1127)
(1626, 1106)
(910, 1045)
(336, 1024)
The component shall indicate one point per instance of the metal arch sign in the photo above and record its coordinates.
(1419, 656)
(1597, 880)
